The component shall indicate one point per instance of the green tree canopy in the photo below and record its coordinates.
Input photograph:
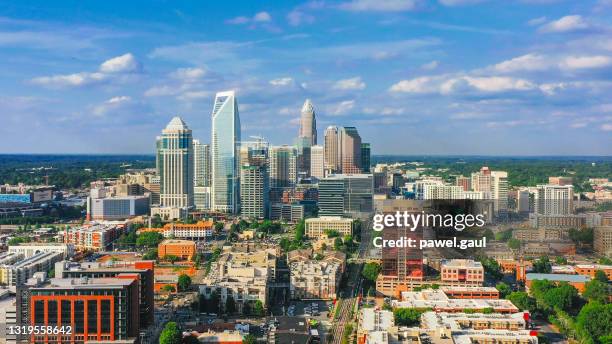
(542, 265)
(596, 320)
(184, 281)
(258, 309)
(249, 339)
(601, 276)
(171, 334)
(504, 289)
(371, 271)
(563, 297)
(149, 239)
(407, 316)
(522, 300)
(597, 291)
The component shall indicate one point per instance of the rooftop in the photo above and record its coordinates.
(558, 277)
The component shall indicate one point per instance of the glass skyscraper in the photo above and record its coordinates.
(225, 158)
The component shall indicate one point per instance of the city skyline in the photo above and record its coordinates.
(458, 77)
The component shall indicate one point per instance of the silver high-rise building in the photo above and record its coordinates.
(175, 165)
(308, 124)
(225, 158)
(283, 167)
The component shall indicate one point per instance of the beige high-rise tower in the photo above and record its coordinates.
(308, 124)
(331, 149)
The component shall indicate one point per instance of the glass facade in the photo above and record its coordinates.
(225, 165)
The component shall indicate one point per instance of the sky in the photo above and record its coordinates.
(450, 77)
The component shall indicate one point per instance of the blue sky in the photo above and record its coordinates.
(511, 77)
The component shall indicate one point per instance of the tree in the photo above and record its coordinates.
(561, 261)
(522, 300)
(171, 258)
(504, 289)
(371, 271)
(492, 268)
(581, 236)
(504, 236)
(258, 309)
(596, 320)
(332, 233)
(488, 233)
(338, 244)
(219, 227)
(542, 265)
(171, 334)
(184, 282)
(156, 221)
(563, 297)
(601, 276)
(514, 244)
(249, 339)
(230, 305)
(169, 288)
(150, 255)
(300, 230)
(149, 239)
(407, 316)
(597, 291)
(17, 240)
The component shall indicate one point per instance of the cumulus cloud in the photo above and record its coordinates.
(585, 62)
(350, 84)
(281, 81)
(565, 24)
(341, 108)
(259, 17)
(121, 64)
(455, 84)
(430, 65)
(111, 104)
(528, 62)
(188, 74)
(110, 69)
(379, 6)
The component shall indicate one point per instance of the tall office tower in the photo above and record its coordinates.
(308, 124)
(201, 163)
(349, 143)
(495, 182)
(254, 191)
(225, 164)
(283, 169)
(346, 195)
(499, 192)
(554, 200)
(254, 179)
(317, 162)
(331, 149)
(464, 182)
(175, 165)
(103, 310)
(365, 157)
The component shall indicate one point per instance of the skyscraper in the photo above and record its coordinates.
(495, 183)
(346, 195)
(225, 160)
(308, 124)
(201, 163)
(283, 169)
(317, 160)
(554, 200)
(175, 165)
(365, 157)
(254, 179)
(349, 143)
(331, 149)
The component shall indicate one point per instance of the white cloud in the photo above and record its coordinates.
(110, 69)
(385, 111)
(194, 95)
(459, 2)
(552, 88)
(606, 127)
(417, 85)
(111, 104)
(281, 81)
(350, 84)
(121, 64)
(452, 84)
(259, 17)
(162, 91)
(430, 65)
(565, 24)
(499, 84)
(529, 62)
(380, 5)
(188, 74)
(70, 80)
(585, 62)
(118, 99)
(341, 108)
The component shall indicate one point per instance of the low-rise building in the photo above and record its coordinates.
(117, 208)
(469, 292)
(314, 279)
(32, 248)
(462, 271)
(94, 236)
(591, 269)
(197, 231)
(317, 227)
(438, 301)
(182, 249)
(19, 272)
(602, 240)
